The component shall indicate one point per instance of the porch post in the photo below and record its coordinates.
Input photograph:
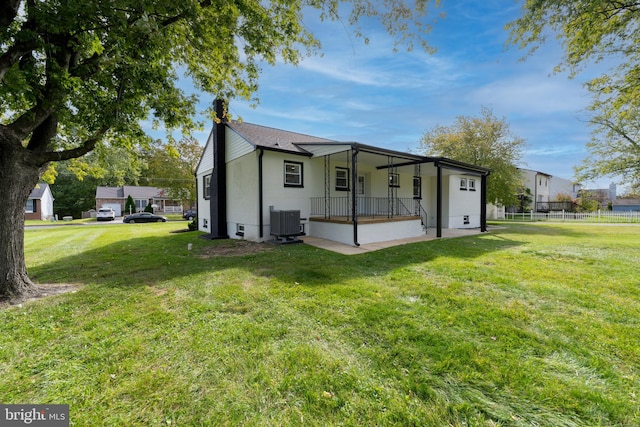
(354, 194)
(439, 202)
(483, 203)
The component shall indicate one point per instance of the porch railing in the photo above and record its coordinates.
(366, 206)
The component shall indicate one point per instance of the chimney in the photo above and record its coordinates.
(219, 176)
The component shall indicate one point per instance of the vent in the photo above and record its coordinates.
(285, 223)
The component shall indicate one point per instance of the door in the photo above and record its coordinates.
(361, 192)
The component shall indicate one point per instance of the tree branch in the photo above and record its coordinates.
(58, 156)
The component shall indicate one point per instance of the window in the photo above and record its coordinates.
(463, 184)
(141, 204)
(292, 174)
(342, 179)
(471, 184)
(239, 229)
(206, 186)
(205, 223)
(417, 187)
(465, 220)
(394, 180)
(31, 206)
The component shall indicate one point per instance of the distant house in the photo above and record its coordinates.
(116, 198)
(258, 183)
(40, 203)
(625, 205)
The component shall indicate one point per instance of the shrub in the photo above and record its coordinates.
(148, 208)
(193, 225)
(129, 206)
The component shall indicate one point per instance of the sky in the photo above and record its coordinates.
(371, 95)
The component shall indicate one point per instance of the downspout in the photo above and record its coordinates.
(260, 200)
(483, 203)
(354, 193)
(439, 203)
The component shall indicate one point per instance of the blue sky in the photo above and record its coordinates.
(371, 95)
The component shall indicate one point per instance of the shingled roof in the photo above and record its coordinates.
(274, 139)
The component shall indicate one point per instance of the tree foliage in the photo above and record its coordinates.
(74, 74)
(172, 167)
(483, 141)
(592, 32)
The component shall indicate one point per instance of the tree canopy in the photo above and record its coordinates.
(482, 141)
(594, 32)
(74, 74)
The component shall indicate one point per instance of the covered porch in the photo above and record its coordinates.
(375, 195)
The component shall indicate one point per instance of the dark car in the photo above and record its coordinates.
(190, 214)
(143, 217)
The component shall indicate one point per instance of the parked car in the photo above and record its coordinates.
(105, 214)
(143, 217)
(190, 214)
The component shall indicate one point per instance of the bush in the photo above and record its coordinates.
(193, 225)
(148, 208)
(129, 206)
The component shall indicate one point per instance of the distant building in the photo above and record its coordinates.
(116, 198)
(625, 205)
(40, 203)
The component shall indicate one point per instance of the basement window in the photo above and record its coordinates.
(239, 229)
(465, 219)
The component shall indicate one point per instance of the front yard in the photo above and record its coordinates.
(527, 325)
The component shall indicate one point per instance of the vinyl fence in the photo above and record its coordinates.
(600, 216)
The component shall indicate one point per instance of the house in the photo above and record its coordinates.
(546, 190)
(625, 205)
(40, 203)
(249, 176)
(116, 198)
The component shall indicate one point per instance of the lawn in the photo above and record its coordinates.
(528, 325)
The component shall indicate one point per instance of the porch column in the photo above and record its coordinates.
(439, 202)
(354, 194)
(483, 203)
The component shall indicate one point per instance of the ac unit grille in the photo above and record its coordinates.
(285, 223)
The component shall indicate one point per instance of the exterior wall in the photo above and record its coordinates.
(562, 186)
(463, 203)
(204, 207)
(367, 233)
(242, 197)
(43, 207)
(108, 203)
(36, 211)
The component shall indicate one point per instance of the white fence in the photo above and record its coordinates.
(563, 216)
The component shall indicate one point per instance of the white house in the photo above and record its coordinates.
(342, 191)
(40, 203)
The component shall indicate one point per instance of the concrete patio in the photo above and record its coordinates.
(341, 248)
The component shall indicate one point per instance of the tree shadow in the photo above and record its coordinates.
(147, 261)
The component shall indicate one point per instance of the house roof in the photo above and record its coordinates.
(626, 202)
(39, 190)
(274, 139)
(281, 140)
(136, 192)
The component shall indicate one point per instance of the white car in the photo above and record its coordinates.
(105, 214)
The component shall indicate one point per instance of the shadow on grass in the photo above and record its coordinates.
(149, 260)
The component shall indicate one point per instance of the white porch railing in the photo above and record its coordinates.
(172, 209)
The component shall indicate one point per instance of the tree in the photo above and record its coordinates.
(129, 206)
(592, 32)
(482, 141)
(172, 167)
(75, 74)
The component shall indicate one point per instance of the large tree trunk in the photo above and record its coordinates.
(17, 179)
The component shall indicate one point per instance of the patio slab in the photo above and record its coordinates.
(341, 248)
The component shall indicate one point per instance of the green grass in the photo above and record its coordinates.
(529, 325)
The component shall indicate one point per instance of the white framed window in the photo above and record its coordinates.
(471, 184)
(205, 223)
(31, 206)
(465, 219)
(463, 184)
(417, 187)
(394, 180)
(206, 186)
(342, 179)
(292, 174)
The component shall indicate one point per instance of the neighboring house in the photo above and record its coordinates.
(604, 196)
(625, 205)
(545, 190)
(342, 191)
(116, 197)
(40, 203)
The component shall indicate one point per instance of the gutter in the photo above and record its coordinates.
(354, 182)
(260, 194)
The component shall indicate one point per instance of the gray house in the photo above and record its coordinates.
(116, 198)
